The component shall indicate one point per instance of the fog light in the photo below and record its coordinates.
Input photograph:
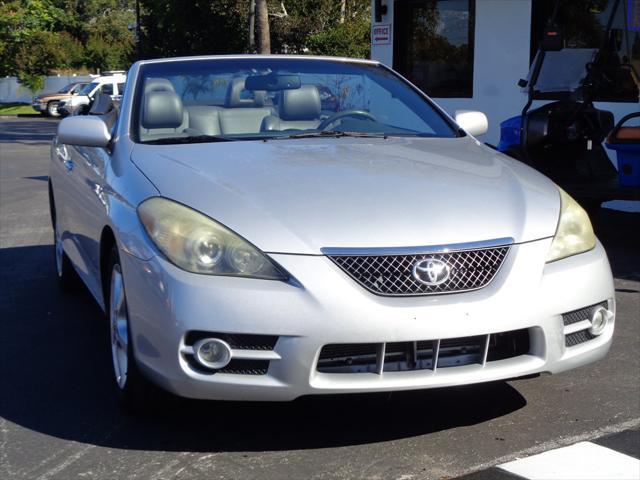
(212, 352)
(599, 319)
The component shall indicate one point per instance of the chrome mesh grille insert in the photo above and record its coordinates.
(392, 274)
(258, 345)
(572, 339)
(581, 314)
(577, 338)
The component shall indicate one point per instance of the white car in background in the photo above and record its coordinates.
(111, 83)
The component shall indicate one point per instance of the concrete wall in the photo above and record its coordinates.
(11, 91)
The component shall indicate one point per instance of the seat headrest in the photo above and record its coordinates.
(162, 109)
(300, 104)
(158, 85)
(234, 99)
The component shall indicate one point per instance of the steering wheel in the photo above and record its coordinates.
(346, 113)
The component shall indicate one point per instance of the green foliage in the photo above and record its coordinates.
(39, 37)
(36, 57)
(20, 21)
(314, 26)
(174, 28)
(349, 39)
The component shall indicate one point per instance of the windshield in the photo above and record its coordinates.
(257, 98)
(67, 88)
(611, 55)
(88, 88)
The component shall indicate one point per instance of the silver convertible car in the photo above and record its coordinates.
(267, 227)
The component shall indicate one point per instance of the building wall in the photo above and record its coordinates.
(501, 58)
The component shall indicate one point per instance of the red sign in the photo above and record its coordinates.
(381, 34)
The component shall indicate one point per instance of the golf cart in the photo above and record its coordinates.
(564, 138)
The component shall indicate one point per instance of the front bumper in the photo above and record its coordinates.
(39, 107)
(66, 109)
(328, 307)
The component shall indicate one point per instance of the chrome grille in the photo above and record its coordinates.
(392, 274)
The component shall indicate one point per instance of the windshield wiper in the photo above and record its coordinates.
(332, 134)
(191, 139)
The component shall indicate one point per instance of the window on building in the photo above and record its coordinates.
(583, 23)
(433, 45)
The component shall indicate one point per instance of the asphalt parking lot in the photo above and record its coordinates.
(58, 419)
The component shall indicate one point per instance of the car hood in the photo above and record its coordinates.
(52, 96)
(302, 195)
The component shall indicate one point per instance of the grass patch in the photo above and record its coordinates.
(17, 109)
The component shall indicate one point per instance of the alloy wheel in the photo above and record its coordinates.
(119, 326)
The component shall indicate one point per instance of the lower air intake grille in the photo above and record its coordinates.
(237, 341)
(394, 274)
(576, 338)
(423, 354)
(238, 367)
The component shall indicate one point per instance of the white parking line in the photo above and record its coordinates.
(582, 461)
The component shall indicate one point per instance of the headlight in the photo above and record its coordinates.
(198, 244)
(574, 233)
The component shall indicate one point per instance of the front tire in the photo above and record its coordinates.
(134, 392)
(52, 109)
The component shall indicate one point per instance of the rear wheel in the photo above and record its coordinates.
(134, 392)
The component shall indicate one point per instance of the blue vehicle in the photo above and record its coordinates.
(564, 138)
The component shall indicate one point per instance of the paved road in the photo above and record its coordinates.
(58, 419)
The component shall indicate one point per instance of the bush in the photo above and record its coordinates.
(349, 39)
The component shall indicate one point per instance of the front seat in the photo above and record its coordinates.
(163, 114)
(299, 110)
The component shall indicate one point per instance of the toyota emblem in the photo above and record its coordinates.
(431, 271)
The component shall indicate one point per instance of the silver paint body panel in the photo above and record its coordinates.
(298, 200)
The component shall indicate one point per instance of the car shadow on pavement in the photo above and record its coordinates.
(55, 370)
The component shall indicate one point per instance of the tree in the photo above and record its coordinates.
(264, 35)
(20, 22)
(174, 28)
(252, 25)
(41, 37)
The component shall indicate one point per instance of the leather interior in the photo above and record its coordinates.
(300, 104)
(163, 113)
(162, 109)
(299, 110)
(242, 115)
(158, 85)
(233, 98)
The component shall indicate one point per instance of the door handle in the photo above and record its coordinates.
(68, 165)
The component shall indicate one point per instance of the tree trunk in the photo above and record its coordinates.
(252, 26)
(343, 10)
(264, 37)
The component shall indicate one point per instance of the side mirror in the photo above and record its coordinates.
(474, 123)
(84, 130)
